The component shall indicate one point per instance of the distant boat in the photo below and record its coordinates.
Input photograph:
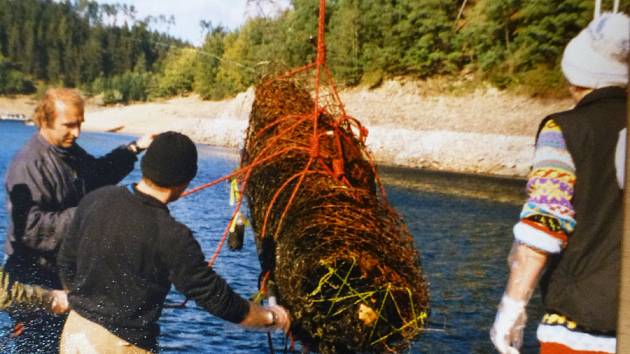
(13, 116)
(115, 129)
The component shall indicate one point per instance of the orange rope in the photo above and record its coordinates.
(273, 201)
(341, 121)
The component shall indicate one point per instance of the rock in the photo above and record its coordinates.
(487, 131)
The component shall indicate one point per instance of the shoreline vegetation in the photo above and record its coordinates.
(483, 132)
(445, 86)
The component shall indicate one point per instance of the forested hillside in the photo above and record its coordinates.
(77, 44)
(513, 44)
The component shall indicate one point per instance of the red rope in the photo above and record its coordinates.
(249, 170)
(273, 201)
(342, 122)
(263, 283)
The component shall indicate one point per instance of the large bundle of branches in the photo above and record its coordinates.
(340, 258)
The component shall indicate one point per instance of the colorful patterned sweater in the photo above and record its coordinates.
(547, 218)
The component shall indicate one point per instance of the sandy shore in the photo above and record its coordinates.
(485, 132)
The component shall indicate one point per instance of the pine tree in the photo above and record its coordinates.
(343, 41)
(206, 83)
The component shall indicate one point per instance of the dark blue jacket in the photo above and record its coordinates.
(44, 184)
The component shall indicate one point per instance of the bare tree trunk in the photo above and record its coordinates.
(461, 11)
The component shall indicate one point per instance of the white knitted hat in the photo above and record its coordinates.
(598, 56)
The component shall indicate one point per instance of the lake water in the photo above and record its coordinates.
(461, 225)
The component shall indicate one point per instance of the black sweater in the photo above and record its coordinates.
(118, 260)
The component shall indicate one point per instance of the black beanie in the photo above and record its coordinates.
(170, 160)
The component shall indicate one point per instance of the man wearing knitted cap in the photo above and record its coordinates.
(569, 236)
(129, 229)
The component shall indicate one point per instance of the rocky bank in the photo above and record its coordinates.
(483, 132)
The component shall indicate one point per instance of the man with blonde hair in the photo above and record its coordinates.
(45, 181)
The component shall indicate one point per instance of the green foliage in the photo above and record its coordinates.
(543, 30)
(510, 43)
(251, 53)
(12, 80)
(541, 81)
(206, 70)
(67, 43)
(372, 79)
(300, 26)
(426, 33)
(378, 50)
(509, 40)
(487, 34)
(228, 63)
(235, 75)
(177, 74)
(344, 46)
(123, 88)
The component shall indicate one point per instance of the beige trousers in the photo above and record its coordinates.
(82, 336)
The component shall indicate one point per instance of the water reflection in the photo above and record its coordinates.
(490, 188)
(461, 225)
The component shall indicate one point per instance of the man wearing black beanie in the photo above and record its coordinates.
(145, 249)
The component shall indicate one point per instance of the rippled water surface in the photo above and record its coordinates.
(462, 232)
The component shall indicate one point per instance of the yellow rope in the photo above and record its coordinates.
(421, 318)
(362, 297)
(344, 282)
(380, 311)
(322, 281)
(235, 195)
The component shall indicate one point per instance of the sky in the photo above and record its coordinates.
(188, 13)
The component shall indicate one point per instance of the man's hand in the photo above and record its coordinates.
(144, 141)
(59, 302)
(507, 331)
(280, 318)
(267, 318)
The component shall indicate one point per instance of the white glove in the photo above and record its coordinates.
(507, 331)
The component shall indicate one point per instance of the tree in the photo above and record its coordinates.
(343, 41)
(206, 83)
(68, 43)
(177, 74)
(301, 32)
(544, 28)
(12, 80)
(487, 38)
(511, 43)
(378, 52)
(253, 52)
(424, 33)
